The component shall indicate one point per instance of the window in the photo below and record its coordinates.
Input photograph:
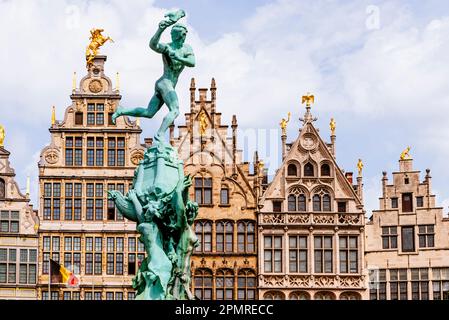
(394, 203)
(378, 284)
(9, 221)
(246, 285)
(299, 295)
(95, 114)
(94, 201)
(133, 252)
(246, 237)
(348, 254)
(203, 230)
(292, 170)
(74, 151)
(316, 203)
(420, 202)
(308, 170)
(203, 191)
(52, 201)
(323, 254)
(203, 284)
(406, 181)
(298, 254)
(398, 284)
(350, 296)
(426, 234)
(110, 122)
(389, 237)
(325, 170)
(95, 151)
(224, 284)
(2, 189)
(72, 254)
(78, 118)
(113, 213)
(440, 283)
(407, 202)
(273, 254)
(116, 152)
(420, 284)
(274, 295)
(326, 202)
(225, 236)
(324, 296)
(224, 196)
(341, 206)
(18, 266)
(277, 206)
(301, 203)
(408, 239)
(73, 195)
(291, 200)
(131, 295)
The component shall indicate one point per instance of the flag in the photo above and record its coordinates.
(59, 274)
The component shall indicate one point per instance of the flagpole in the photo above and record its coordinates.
(49, 278)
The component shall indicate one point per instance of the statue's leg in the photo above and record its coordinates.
(171, 100)
(155, 104)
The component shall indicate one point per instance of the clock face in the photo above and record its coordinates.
(95, 86)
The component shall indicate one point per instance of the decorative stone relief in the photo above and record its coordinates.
(323, 219)
(350, 219)
(51, 156)
(324, 281)
(136, 157)
(299, 281)
(95, 86)
(273, 218)
(298, 218)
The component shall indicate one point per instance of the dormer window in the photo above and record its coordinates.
(2, 189)
(292, 170)
(95, 114)
(325, 170)
(78, 118)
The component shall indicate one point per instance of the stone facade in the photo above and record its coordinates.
(18, 237)
(311, 225)
(224, 266)
(407, 248)
(80, 228)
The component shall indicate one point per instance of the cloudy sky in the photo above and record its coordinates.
(380, 68)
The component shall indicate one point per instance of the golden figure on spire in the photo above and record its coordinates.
(2, 135)
(333, 126)
(360, 167)
(284, 123)
(203, 123)
(53, 115)
(405, 154)
(74, 81)
(308, 99)
(97, 40)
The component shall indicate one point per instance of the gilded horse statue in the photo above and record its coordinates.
(97, 40)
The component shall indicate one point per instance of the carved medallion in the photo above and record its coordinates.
(308, 142)
(136, 157)
(51, 156)
(95, 86)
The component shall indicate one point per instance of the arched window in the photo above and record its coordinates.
(350, 296)
(292, 170)
(302, 203)
(325, 170)
(316, 203)
(326, 202)
(203, 284)
(224, 284)
(224, 195)
(2, 189)
(225, 236)
(308, 170)
(274, 295)
(246, 236)
(323, 295)
(246, 285)
(291, 203)
(203, 230)
(299, 295)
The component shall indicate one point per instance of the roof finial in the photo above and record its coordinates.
(333, 126)
(360, 167)
(2, 135)
(53, 115)
(284, 123)
(28, 187)
(96, 41)
(117, 81)
(308, 99)
(405, 154)
(74, 82)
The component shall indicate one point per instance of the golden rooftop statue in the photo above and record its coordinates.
(2, 135)
(203, 123)
(333, 126)
(97, 41)
(308, 99)
(53, 115)
(405, 154)
(284, 123)
(360, 167)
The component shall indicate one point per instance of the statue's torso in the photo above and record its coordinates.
(173, 68)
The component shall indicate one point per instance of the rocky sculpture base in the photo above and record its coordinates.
(159, 203)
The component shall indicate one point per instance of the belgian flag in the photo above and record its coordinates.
(59, 274)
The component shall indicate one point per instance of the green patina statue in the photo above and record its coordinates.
(159, 200)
